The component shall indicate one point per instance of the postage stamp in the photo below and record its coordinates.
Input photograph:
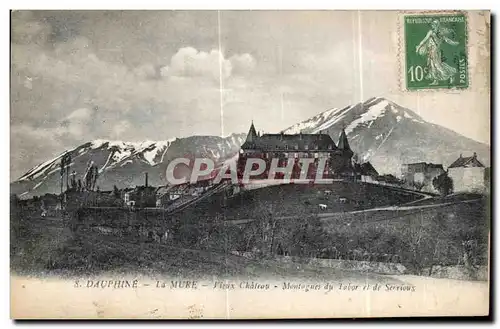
(436, 51)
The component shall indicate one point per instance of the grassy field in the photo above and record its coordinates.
(46, 247)
(436, 232)
(293, 199)
(283, 220)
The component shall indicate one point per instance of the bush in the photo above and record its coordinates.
(443, 183)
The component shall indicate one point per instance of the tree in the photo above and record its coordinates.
(116, 192)
(73, 180)
(443, 183)
(355, 159)
(417, 185)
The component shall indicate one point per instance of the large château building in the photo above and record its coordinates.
(288, 147)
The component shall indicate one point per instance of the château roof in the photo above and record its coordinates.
(425, 164)
(291, 142)
(252, 133)
(343, 142)
(299, 142)
(366, 169)
(466, 162)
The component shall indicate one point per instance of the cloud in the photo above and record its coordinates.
(190, 62)
(27, 30)
(120, 128)
(146, 71)
(243, 64)
(157, 73)
(77, 123)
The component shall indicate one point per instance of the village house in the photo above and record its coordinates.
(297, 146)
(365, 172)
(162, 196)
(140, 196)
(468, 174)
(166, 195)
(419, 175)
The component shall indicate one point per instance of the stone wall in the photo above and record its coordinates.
(467, 179)
(459, 272)
(351, 265)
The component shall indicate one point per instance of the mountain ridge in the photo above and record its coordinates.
(124, 163)
(378, 127)
(378, 130)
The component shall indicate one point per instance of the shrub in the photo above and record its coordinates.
(443, 183)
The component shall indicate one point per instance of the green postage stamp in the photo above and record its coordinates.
(436, 51)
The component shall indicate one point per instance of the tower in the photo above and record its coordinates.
(344, 146)
(252, 133)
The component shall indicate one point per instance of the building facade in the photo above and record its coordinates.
(420, 175)
(287, 147)
(468, 175)
(365, 172)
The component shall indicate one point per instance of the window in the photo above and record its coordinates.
(315, 147)
(316, 155)
(306, 147)
(296, 155)
(330, 147)
(296, 146)
(286, 147)
(286, 155)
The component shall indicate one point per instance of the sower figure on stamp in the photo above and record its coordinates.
(430, 46)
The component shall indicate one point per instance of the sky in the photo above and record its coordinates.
(77, 76)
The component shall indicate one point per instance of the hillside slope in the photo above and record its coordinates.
(387, 135)
(379, 131)
(123, 163)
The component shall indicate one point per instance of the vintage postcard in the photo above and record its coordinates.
(212, 164)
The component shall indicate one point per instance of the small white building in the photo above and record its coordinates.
(126, 198)
(468, 174)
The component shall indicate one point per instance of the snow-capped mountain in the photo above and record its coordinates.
(378, 130)
(124, 163)
(387, 135)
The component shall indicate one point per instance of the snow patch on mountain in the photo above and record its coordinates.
(369, 116)
(334, 117)
(354, 116)
(134, 157)
(126, 162)
(36, 171)
(323, 118)
(150, 150)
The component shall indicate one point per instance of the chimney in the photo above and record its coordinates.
(460, 155)
(474, 155)
(300, 135)
(146, 179)
(281, 136)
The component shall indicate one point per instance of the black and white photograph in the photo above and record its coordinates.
(254, 164)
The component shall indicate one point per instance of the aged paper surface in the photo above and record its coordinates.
(249, 164)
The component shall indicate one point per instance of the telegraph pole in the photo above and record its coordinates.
(63, 162)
